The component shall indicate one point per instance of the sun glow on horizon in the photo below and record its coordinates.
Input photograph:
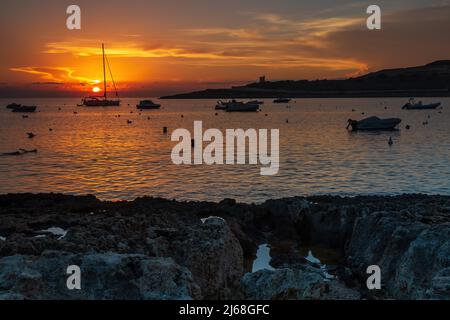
(96, 89)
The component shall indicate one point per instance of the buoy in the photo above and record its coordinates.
(391, 142)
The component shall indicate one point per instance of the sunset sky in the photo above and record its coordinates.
(159, 47)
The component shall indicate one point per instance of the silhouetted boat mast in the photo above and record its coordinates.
(103, 101)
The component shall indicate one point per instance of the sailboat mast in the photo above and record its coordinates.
(104, 71)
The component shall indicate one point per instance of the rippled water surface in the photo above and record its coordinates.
(95, 151)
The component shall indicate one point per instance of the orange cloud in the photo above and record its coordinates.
(55, 74)
(277, 43)
(126, 51)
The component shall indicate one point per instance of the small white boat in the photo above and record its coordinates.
(242, 107)
(412, 105)
(147, 104)
(373, 123)
(222, 105)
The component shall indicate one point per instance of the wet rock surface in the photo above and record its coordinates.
(153, 248)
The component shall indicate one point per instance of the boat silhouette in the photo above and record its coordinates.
(102, 101)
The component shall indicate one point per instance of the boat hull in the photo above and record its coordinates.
(148, 107)
(101, 103)
(421, 107)
(242, 108)
(12, 106)
(282, 100)
(374, 124)
(24, 109)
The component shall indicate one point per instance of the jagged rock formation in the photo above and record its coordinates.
(159, 249)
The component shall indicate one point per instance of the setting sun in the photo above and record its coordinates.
(96, 89)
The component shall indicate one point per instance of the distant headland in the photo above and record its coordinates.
(431, 80)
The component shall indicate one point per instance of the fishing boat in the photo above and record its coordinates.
(412, 105)
(373, 123)
(102, 101)
(242, 107)
(282, 100)
(147, 104)
(21, 108)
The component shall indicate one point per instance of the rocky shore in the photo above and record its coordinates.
(152, 248)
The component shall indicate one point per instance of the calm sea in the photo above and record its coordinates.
(95, 151)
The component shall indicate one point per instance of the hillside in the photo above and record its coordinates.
(432, 79)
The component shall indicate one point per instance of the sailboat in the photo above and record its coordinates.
(102, 101)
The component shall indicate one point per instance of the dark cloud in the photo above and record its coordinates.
(407, 38)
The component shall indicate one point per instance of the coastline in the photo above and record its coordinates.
(153, 248)
(430, 80)
(273, 94)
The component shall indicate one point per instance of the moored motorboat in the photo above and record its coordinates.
(242, 107)
(260, 102)
(147, 104)
(412, 105)
(373, 123)
(12, 105)
(21, 108)
(282, 100)
(222, 105)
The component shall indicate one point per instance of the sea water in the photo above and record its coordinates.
(95, 150)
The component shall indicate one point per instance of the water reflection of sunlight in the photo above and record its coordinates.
(97, 152)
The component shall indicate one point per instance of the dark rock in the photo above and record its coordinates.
(299, 283)
(103, 276)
